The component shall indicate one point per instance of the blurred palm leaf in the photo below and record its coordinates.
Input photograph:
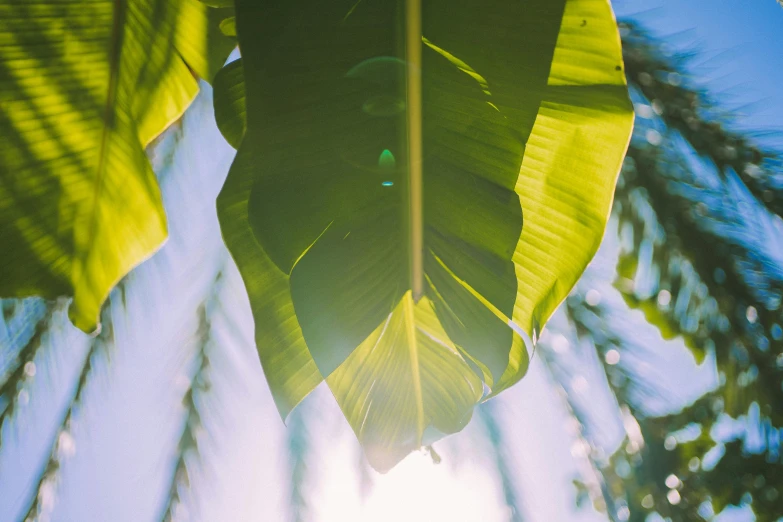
(699, 255)
(708, 248)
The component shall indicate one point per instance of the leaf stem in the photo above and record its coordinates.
(413, 347)
(413, 49)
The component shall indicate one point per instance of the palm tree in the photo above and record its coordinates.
(164, 415)
(696, 213)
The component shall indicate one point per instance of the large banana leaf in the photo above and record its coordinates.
(200, 39)
(229, 102)
(375, 204)
(84, 87)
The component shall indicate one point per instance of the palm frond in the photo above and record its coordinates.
(494, 433)
(299, 454)
(700, 250)
(692, 112)
(198, 383)
(22, 338)
(42, 499)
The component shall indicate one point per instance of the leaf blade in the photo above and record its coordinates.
(434, 389)
(229, 102)
(85, 88)
(339, 239)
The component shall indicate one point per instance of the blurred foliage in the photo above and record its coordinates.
(198, 383)
(494, 433)
(39, 503)
(697, 210)
(18, 362)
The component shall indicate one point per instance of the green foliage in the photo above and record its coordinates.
(683, 263)
(199, 384)
(13, 378)
(229, 101)
(704, 253)
(387, 152)
(694, 203)
(409, 301)
(85, 87)
(50, 470)
(228, 26)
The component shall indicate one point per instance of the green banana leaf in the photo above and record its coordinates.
(84, 87)
(200, 38)
(228, 26)
(375, 206)
(229, 102)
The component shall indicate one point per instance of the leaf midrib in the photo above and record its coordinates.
(413, 350)
(111, 94)
(413, 50)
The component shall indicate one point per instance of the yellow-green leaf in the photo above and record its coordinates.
(410, 358)
(228, 26)
(83, 88)
(572, 159)
(390, 152)
(200, 38)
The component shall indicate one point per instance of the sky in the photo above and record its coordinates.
(739, 46)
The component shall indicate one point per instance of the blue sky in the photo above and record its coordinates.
(740, 48)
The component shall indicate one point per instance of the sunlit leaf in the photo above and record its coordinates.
(228, 26)
(377, 196)
(411, 359)
(200, 37)
(84, 88)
